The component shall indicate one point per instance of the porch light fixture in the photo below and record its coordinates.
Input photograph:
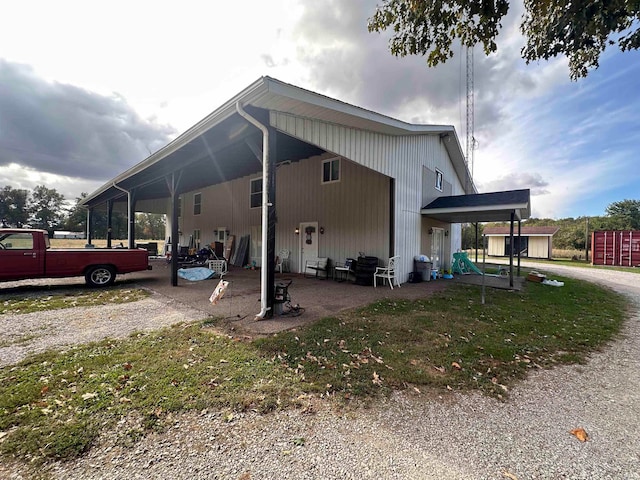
(446, 233)
(430, 231)
(297, 231)
(321, 230)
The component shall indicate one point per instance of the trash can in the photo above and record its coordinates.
(422, 265)
(281, 295)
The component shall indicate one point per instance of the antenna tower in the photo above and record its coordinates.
(471, 141)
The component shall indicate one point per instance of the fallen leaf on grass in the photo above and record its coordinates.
(88, 396)
(580, 434)
(376, 379)
(456, 365)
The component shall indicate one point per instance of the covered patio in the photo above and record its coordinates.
(510, 205)
(316, 298)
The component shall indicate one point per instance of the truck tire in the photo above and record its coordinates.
(100, 276)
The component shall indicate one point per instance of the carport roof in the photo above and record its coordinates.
(481, 207)
(224, 146)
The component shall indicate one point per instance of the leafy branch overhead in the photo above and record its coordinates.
(579, 29)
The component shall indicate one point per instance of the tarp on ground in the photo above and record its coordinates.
(195, 274)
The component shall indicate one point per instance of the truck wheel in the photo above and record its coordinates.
(100, 276)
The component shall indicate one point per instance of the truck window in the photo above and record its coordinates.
(17, 241)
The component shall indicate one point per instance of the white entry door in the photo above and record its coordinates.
(437, 248)
(308, 243)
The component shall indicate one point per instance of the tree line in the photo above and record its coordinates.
(574, 232)
(48, 209)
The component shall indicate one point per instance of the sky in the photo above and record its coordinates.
(89, 89)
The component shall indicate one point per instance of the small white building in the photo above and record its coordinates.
(67, 234)
(534, 242)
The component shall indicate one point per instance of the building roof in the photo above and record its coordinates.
(534, 231)
(223, 146)
(481, 207)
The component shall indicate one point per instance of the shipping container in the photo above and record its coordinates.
(620, 248)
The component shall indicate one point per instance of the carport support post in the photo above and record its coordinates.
(109, 220)
(89, 218)
(519, 245)
(476, 224)
(511, 249)
(172, 184)
(132, 219)
(271, 227)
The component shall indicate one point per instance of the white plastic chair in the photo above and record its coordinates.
(283, 260)
(389, 272)
(218, 266)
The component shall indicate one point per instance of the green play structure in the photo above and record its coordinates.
(462, 264)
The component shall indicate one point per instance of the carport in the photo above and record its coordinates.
(510, 205)
(234, 141)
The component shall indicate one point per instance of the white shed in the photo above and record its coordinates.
(534, 242)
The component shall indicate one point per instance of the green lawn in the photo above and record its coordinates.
(54, 405)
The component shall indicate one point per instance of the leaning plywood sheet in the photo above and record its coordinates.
(228, 247)
(240, 257)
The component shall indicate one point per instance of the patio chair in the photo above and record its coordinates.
(341, 272)
(317, 265)
(219, 267)
(390, 272)
(282, 262)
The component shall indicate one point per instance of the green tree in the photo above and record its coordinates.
(150, 226)
(627, 214)
(469, 236)
(76, 218)
(578, 29)
(13, 206)
(46, 208)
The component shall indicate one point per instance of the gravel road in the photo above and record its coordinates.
(415, 436)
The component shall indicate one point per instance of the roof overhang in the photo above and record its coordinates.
(223, 146)
(480, 207)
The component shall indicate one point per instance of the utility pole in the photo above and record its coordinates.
(586, 240)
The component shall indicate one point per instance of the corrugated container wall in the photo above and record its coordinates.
(620, 248)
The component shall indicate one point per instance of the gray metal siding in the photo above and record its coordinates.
(398, 157)
(354, 212)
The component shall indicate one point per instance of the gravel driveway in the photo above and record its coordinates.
(416, 436)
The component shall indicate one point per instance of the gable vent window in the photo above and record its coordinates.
(197, 204)
(331, 170)
(439, 181)
(256, 192)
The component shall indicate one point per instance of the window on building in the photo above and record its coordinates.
(197, 204)
(331, 170)
(196, 238)
(256, 192)
(439, 180)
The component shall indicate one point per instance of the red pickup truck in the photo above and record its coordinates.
(26, 253)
